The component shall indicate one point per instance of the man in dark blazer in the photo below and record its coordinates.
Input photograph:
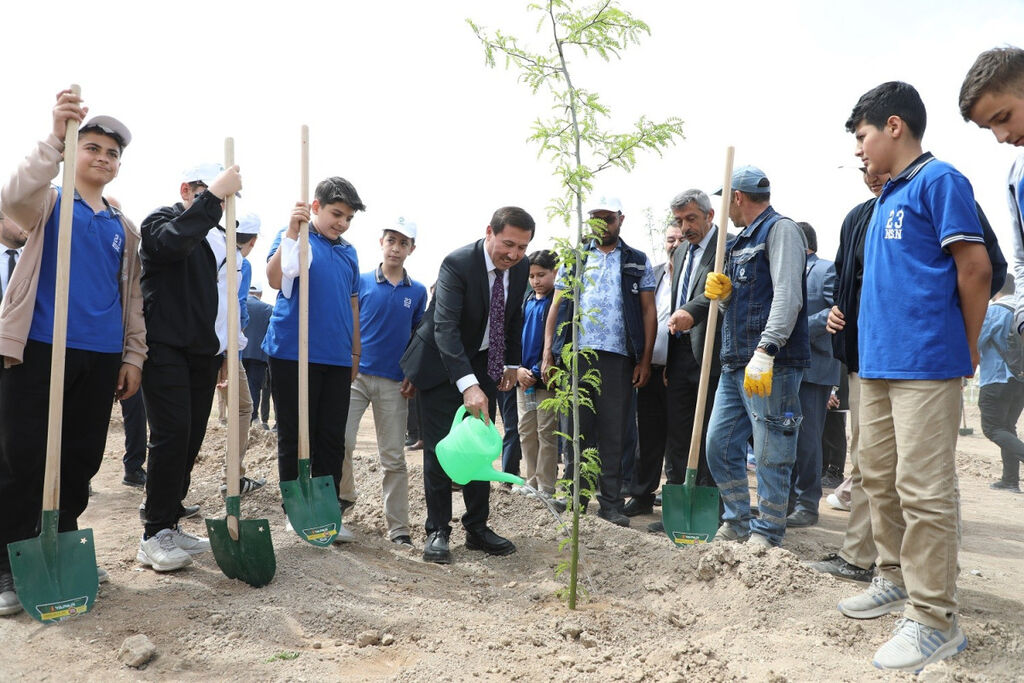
(815, 387)
(456, 358)
(691, 262)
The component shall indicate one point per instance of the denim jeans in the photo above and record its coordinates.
(734, 418)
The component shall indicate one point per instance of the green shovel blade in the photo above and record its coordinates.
(689, 512)
(312, 507)
(251, 557)
(55, 573)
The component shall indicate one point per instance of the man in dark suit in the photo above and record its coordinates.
(817, 383)
(651, 407)
(692, 261)
(466, 348)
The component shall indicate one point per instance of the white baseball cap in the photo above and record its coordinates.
(403, 226)
(249, 224)
(606, 204)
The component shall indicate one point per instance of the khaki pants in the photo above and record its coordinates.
(858, 543)
(908, 432)
(538, 441)
(390, 413)
(244, 415)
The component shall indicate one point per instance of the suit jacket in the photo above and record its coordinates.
(821, 284)
(698, 305)
(452, 329)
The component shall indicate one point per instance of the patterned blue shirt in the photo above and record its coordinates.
(603, 326)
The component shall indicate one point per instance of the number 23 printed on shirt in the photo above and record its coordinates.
(894, 225)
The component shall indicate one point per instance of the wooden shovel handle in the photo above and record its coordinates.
(55, 416)
(234, 464)
(712, 324)
(304, 308)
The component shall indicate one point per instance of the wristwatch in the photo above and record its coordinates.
(770, 349)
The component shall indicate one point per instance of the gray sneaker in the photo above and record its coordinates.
(914, 646)
(161, 553)
(728, 532)
(193, 545)
(881, 597)
(9, 603)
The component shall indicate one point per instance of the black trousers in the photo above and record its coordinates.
(605, 427)
(1001, 406)
(652, 423)
(330, 387)
(437, 407)
(256, 372)
(178, 391)
(511, 449)
(833, 443)
(89, 382)
(681, 399)
(133, 415)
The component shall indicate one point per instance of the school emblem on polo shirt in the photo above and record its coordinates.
(407, 302)
(116, 244)
(894, 225)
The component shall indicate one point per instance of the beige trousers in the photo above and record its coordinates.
(538, 441)
(908, 431)
(858, 543)
(244, 414)
(390, 414)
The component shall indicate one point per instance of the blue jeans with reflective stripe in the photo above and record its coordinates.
(734, 419)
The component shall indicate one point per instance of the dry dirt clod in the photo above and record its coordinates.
(370, 637)
(136, 650)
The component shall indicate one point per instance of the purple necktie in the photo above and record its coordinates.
(496, 338)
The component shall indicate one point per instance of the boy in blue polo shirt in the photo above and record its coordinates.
(925, 269)
(106, 334)
(391, 305)
(992, 95)
(333, 331)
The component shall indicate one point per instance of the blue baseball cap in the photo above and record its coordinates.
(749, 179)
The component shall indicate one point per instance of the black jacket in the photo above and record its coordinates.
(452, 329)
(179, 276)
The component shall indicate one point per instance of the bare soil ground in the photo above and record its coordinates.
(371, 611)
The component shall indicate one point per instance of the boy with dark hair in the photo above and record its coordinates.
(334, 341)
(537, 426)
(391, 305)
(992, 96)
(105, 343)
(925, 266)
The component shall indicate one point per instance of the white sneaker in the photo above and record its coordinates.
(881, 597)
(914, 646)
(101, 575)
(193, 545)
(9, 603)
(835, 503)
(288, 526)
(161, 552)
(344, 535)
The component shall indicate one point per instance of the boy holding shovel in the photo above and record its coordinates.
(106, 335)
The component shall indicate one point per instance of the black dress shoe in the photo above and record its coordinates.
(136, 478)
(634, 507)
(436, 549)
(801, 518)
(189, 511)
(613, 516)
(490, 542)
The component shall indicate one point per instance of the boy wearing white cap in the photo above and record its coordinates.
(391, 305)
(181, 300)
(106, 334)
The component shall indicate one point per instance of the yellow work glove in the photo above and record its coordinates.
(757, 378)
(717, 286)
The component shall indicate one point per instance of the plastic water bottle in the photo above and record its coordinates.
(530, 393)
(788, 424)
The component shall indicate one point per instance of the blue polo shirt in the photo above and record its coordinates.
(910, 324)
(333, 280)
(94, 300)
(535, 313)
(387, 316)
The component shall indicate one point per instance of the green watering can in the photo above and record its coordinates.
(469, 451)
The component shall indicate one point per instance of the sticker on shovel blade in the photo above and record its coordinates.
(689, 539)
(321, 534)
(57, 611)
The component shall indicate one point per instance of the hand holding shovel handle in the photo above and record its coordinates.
(234, 465)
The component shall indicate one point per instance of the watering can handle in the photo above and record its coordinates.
(460, 415)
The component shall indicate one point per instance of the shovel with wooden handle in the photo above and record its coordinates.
(55, 573)
(310, 502)
(243, 548)
(690, 512)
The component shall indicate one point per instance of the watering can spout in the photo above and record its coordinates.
(470, 449)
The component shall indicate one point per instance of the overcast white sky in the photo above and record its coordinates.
(399, 102)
